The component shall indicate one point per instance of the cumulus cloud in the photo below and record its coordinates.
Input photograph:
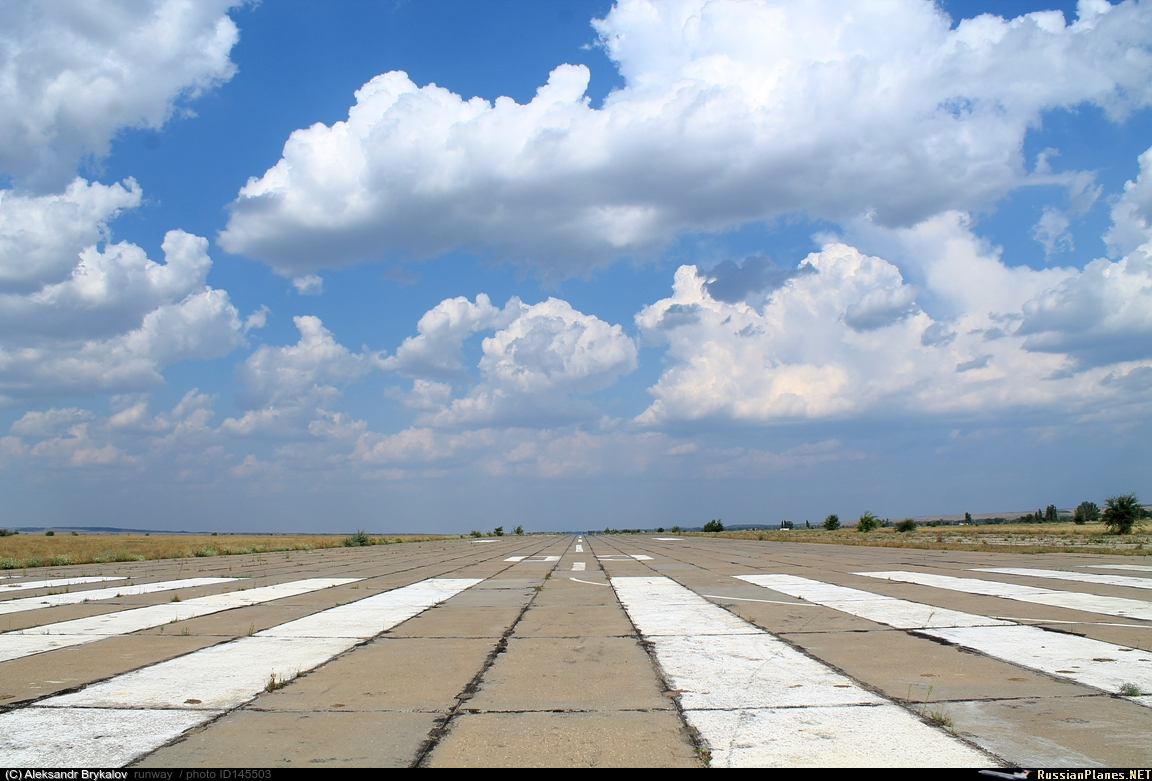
(116, 321)
(538, 359)
(73, 74)
(723, 120)
(40, 235)
(1132, 212)
(848, 339)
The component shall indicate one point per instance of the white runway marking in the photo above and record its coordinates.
(515, 558)
(48, 637)
(1130, 567)
(624, 557)
(1078, 577)
(1095, 663)
(145, 709)
(758, 702)
(588, 582)
(76, 597)
(579, 548)
(1072, 600)
(477, 541)
(578, 566)
(532, 559)
(58, 583)
(670, 539)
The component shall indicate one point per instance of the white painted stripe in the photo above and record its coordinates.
(76, 597)
(640, 557)
(48, 637)
(670, 539)
(515, 558)
(899, 613)
(624, 557)
(1072, 600)
(579, 566)
(588, 582)
(200, 685)
(1078, 577)
(579, 548)
(1091, 662)
(58, 583)
(758, 702)
(1131, 567)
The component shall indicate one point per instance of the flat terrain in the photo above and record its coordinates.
(581, 651)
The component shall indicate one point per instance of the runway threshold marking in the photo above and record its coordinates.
(1078, 577)
(93, 595)
(116, 721)
(579, 548)
(49, 637)
(1073, 600)
(579, 566)
(624, 557)
(58, 583)
(1095, 663)
(532, 559)
(758, 702)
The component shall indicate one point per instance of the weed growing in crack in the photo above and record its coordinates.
(1130, 690)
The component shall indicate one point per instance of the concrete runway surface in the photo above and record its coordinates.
(574, 651)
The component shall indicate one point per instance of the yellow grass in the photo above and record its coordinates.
(1007, 537)
(36, 550)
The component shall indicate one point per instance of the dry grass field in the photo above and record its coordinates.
(1007, 537)
(37, 550)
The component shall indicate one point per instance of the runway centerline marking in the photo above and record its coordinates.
(579, 548)
(1073, 600)
(1095, 663)
(579, 566)
(149, 707)
(93, 595)
(757, 701)
(49, 637)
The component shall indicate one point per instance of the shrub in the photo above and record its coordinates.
(205, 551)
(1085, 512)
(906, 525)
(868, 522)
(476, 533)
(498, 531)
(49, 533)
(8, 532)
(1130, 690)
(714, 526)
(356, 540)
(832, 522)
(518, 530)
(676, 529)
(1122, 513)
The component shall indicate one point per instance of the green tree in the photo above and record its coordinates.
(1122, 513)
(477, 534)
(714, 526)
(868, 522)
(676, 529)
(518, 530)
(498, 531)
(832, 522)
(1051, 514)
(1086, 512)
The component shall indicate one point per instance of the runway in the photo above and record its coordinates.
(581, 651)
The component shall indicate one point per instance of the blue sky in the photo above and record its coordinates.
(440, 266)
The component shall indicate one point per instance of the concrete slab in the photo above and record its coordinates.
(568, 740)
(300, 739)
(574, 621)
(563, 674)
(456, 621)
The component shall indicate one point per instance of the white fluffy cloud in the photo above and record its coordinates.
(539, 359)
(283, 386)
(73, 73)
(116, 321)
(848, 339)
(733, 112)
(1132, 212)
